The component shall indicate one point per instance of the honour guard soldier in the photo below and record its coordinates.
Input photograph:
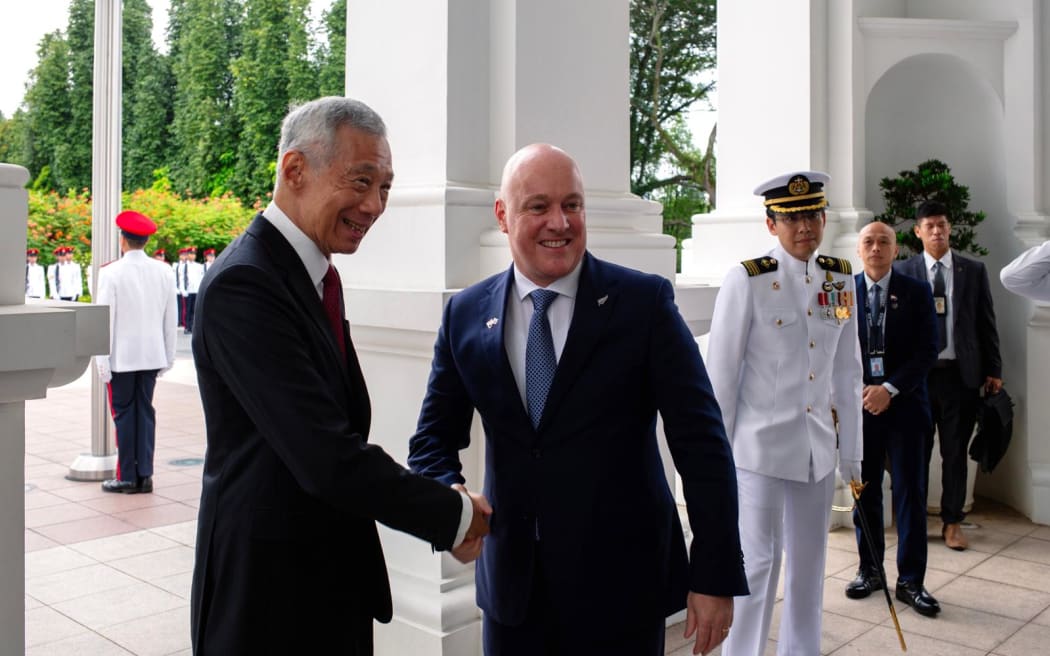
(209, 258)
(192, 275)
(160, 255)
(65, 276)
(35, 286)
(142, 346)
(783, 356)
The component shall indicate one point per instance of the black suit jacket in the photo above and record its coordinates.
(911, 349)
(973, 322)
(287, 549)
(588, 481)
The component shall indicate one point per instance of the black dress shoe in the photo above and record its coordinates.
(862, 586)
(145, 485)
(918, 598)
(124, 487)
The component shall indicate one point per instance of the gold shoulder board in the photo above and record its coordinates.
(835, 264)
(759, 265)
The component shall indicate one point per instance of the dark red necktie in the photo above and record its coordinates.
(332, 300)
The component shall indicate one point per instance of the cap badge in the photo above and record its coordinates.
(798, 185)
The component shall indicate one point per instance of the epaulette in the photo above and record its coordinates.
(759, 265)
(835, 264)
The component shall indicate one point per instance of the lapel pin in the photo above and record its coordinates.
(491, 322)
(776, 284)
(601, 301)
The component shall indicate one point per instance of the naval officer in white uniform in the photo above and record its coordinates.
(1029, 274)
(783, 357)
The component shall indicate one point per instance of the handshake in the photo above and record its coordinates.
(468, 550)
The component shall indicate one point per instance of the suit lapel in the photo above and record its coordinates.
(595, 301)
(959, 266)
(862, 315)
(305, 295)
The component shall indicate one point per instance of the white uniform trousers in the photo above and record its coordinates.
(780, 515)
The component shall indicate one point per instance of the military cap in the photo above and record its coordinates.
(136, 224)
(32, 252)
(800, 191)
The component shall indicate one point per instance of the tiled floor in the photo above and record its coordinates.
(110, 574)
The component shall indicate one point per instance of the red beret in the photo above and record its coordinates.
(160, 251)
(136, 224)
(61, 250)
(32, 251)
(209, 251)
(191, 249)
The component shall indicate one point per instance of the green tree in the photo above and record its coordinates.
(145, 102)
(931, 180)
(272, 71)
(73, 155)
(48, 113)
(205, 129)
(672, 53)
(331, 56)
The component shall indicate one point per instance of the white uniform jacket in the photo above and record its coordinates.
(65, 280)
(1029, 274)
(35, 281)
(783, 351)
(142, 314)
(196, 275)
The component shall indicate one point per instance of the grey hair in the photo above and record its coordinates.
(310, 128)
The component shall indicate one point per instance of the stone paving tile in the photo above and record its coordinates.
(39, 517)
(36, 542)
(42, 499)
(882, 641)
(52, 589)
(1028, 548)
(107, 608)
(1022, 573)
(176, 584)
(85, 529)
(45, 624)
(183, 532)
(156, 635)
(1027, 641)
(55, 559)
(86, 644)
(159, 515)
(958, 625)
(112, 504)
(133, 544)
(997, 598)
(157, 564)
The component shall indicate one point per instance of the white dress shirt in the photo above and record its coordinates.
(948, 352)
(519, 315)
(35, 281)
(142, 314)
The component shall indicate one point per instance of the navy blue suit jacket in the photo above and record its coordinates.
(911, 348)
(288, 557)
(589, 479)
(973, 323)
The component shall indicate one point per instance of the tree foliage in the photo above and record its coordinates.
(931, 180)
(331, 56)
(672, 65)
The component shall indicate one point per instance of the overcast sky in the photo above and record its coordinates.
(18, 46)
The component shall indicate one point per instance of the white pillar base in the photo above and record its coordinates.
(87, 467)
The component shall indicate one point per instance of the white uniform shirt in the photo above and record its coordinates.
(35, 281)
(1029, 274)
(779, 363)
(65, 280)
(142, 314)
(195, 275)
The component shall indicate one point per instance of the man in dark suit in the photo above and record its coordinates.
(568, 359)
(898, 344)
(288, 558)
(969, 356)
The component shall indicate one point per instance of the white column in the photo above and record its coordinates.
(43, 344)
(462, 84)
(106, 143)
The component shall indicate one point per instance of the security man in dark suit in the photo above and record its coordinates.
(898, 341)
(969, 358)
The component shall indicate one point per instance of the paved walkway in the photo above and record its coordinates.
(110, 574)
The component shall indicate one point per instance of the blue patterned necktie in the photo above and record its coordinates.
(940, 290)
(540, 362)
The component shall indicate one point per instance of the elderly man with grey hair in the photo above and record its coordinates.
(288, 558)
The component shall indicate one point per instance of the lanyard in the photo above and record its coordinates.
(876, 334)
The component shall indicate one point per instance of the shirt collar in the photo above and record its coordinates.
(946, 260)
(313, 259)
(883, 283)
(566, 285)
(792, 265)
